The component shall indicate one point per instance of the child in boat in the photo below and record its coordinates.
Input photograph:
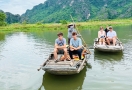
(101, 36)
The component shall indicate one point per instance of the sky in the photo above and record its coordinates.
(18, 6)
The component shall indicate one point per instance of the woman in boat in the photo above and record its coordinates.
(71, 29)
(101, 36)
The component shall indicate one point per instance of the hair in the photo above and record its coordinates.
(74, 33)
(101, 28)
(110, 27)
(60, 34)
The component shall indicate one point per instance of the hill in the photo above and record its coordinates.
(11, 18)
(81, 10)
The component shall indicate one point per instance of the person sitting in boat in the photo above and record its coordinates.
(101, 36)
(111, 36)
(106, 30)
(60, 46)
(71, 29)
(75, 46)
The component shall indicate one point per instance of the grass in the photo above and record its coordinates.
(58, 26)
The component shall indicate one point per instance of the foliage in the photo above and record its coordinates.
(63, 21)
(2, 19)
(11, 18)
(56, 10)
(24, 22)
(56, 26)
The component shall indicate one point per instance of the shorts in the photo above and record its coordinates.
(60, 51)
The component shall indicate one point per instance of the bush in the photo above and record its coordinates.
(2, 19)
(63, 21)
(39, 23)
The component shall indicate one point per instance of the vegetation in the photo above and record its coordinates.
(2, 19)
(11, 18)
(60, 26)
(81, 10)
(59, 11)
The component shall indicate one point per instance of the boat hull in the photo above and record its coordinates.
(62, 72)
(64, 67)
(108, 48)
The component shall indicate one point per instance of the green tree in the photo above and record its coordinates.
(63, 21)
(2, 19)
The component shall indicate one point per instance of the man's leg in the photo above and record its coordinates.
(65, 53)
(55, 54)
(71, 53)
(79, 52)
(114, 41)
(107, 39)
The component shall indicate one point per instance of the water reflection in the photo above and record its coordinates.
(2, 36)
(108, 59)
(73, 82)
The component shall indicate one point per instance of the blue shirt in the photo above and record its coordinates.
(76, 43)
(70, 31)
(60, 42)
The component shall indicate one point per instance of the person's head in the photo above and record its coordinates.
(60, 35)
(110, 28)
(101, 28)
(74, 35)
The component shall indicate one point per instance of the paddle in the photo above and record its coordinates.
(40, 67)
(81, 37)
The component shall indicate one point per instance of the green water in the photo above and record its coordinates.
(21, 53)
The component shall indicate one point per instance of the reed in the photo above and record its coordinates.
(59, 26)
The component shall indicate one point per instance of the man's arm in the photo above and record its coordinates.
(98, 34)
(71, 47)
(115, 35)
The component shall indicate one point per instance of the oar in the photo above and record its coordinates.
(81, 37)
(41, 66)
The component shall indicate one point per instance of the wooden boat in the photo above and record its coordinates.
(108, 48)
(64, 67)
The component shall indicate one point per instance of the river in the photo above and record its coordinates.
(21, 53)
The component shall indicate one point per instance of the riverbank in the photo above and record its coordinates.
(59, 26)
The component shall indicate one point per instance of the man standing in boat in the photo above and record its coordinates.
(60, 46)
(75, 46)
(111, 36)
(71, 29)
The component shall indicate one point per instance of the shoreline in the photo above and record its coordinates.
(59, 26)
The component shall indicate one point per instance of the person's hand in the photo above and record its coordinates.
(56, 47)
(75, 48)
(72, 49)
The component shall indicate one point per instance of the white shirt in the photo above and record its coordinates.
(111, 34)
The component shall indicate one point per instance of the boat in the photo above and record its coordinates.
(108, 48)
(71, 67)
